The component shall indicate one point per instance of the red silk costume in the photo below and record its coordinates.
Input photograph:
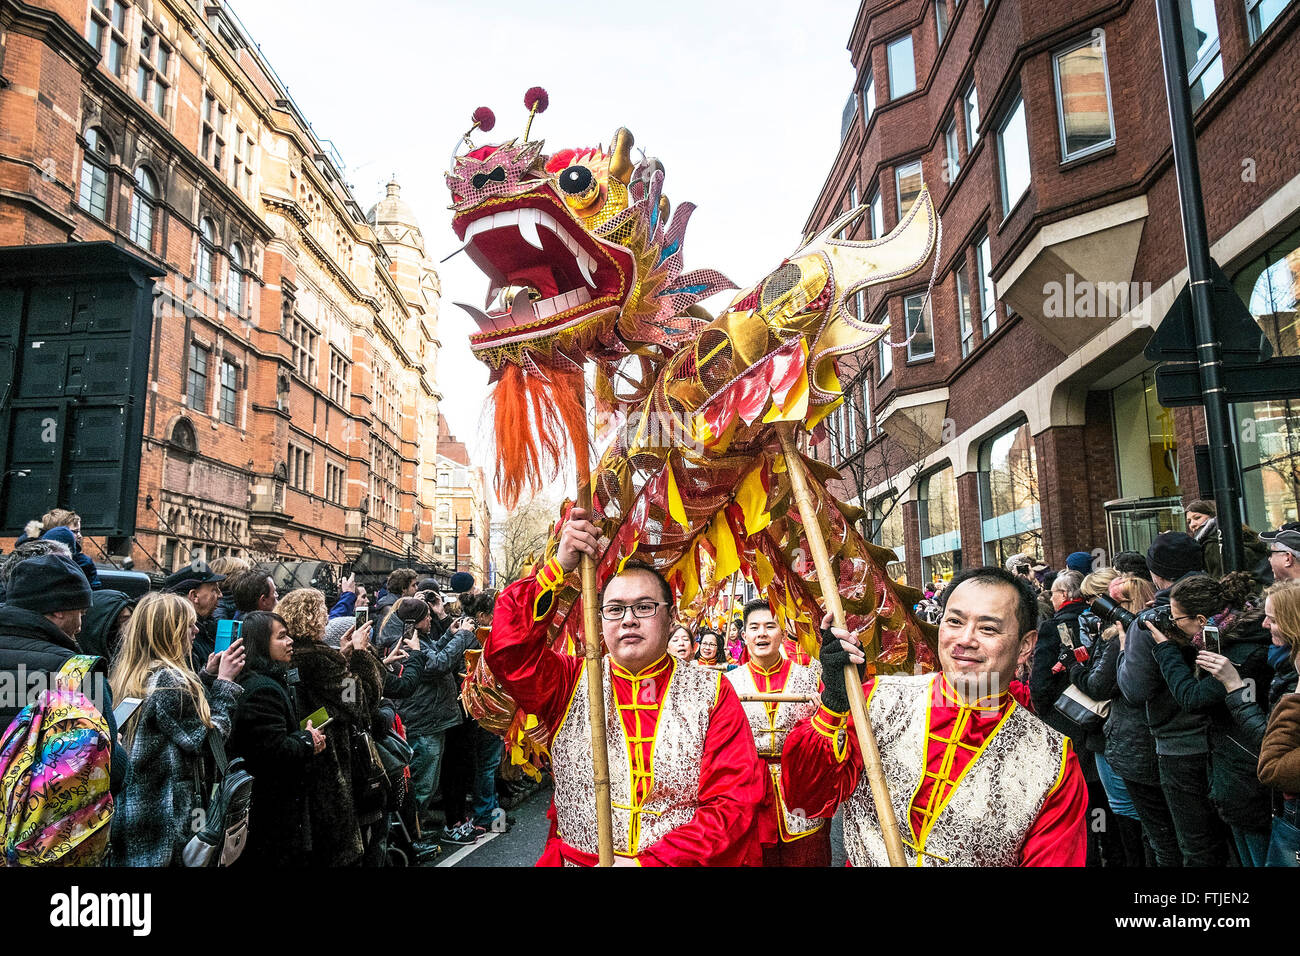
(819, 775)
(722, 830)
(781, 847)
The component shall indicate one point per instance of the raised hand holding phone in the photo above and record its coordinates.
(231, 661)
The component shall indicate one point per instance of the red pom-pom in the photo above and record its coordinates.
(536, 100)
(485, 119)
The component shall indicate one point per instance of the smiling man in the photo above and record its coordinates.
(789, 839)
(975, 778)
(685, 780)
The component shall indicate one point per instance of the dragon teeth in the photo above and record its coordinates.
(528, 220)
(587, 265)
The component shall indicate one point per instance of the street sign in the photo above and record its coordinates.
(1180, 385)
(1241, 340)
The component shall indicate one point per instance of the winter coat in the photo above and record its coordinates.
(403, 678)
(1284, 675)
(1279, 757)
(98, 622)
(155, 815)
(1177, 732)
(349, 689)
(1249, 712)
(435, 705)
(1234, 786)
(205, 643)
(226, 609)
(1129, 747)
(30, 645)
(278, 756)
(1255, 551)
(345, 606)
(1046, 686)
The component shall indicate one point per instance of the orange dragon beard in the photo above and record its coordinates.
(540, 425)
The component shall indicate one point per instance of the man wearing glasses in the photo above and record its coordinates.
(1284, 551)
(685, 779)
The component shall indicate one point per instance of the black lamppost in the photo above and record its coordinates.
(470, 521)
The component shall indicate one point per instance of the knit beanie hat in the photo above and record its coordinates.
(1173, 554)
(1080, 561)
(335, 628)
(48, 583)
(461, 582)
(64, 536)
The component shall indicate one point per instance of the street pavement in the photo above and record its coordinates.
(522, 845)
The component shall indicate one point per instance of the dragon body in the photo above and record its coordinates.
(583, 256)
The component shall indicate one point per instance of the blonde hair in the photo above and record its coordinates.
(1138, 593)
(304, 613)
(1096, 583)
(156, 637)
(59, 518)
(228, 565)
(1285, 596)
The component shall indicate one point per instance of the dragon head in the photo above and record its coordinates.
(580, 256)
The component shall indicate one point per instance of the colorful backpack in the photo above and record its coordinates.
(54, 773)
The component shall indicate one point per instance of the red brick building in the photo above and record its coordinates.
(292, 411)
(1020, 414)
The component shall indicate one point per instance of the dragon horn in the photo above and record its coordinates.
(620, 164)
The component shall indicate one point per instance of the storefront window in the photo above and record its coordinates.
(1269, 432)
(1146, 449)
(887, 531)
(940, 531)
(1009, 504)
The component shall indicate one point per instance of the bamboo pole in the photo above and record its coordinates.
(777, 698)
(857, 699)
(592, 643)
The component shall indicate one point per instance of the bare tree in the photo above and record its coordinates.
(524, 536)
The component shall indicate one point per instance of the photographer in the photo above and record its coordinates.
(1201, 606)
(1182, 738)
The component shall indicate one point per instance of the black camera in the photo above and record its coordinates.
(1162, 616)
(1111, 612)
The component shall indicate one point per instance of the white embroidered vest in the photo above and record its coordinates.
(996, 801)
(677, 751)
(770, 733)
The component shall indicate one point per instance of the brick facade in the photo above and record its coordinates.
(1110, 216)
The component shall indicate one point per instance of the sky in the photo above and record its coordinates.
(741, 101)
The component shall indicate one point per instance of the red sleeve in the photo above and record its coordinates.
(539, 679)
(724, 830)
(1059, 837)
(821, 762)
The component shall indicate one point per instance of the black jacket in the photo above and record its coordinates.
(1129, 749)
(205, 643)
(278, 756)
(31, 645)
(1234, 785)
(403, 678)
(97, 635)
(1177, 732)
(1045, 685)
(435, 705)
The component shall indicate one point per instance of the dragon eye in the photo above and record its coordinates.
(576, 180)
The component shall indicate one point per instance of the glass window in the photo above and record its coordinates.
(1269, 432)
(971, 110)
(236, 280)
(940, 19)
(1083, 98)
(908, 179)
(964, 312)
(1146, 448)
(846, 117)
(207, 238)
(229, 379)
(142, 208)
(868, 412)
(93, 195)
(920, 327)
(884, 351)
(877, 215)
(1011, 519)
(1261, 13)
(988, 304)
(952, 161)
(1013, 156)
(197, 390)
(887, 531)
(902, 67)
(1201, 48)
(340, 368)
(939, 527)
(868, 97)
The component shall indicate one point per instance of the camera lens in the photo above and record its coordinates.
(1111, 612)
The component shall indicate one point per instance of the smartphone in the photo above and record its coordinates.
(1211, 635)
(125, 708)
(228, 632)
(318, 719)
(363, 615)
